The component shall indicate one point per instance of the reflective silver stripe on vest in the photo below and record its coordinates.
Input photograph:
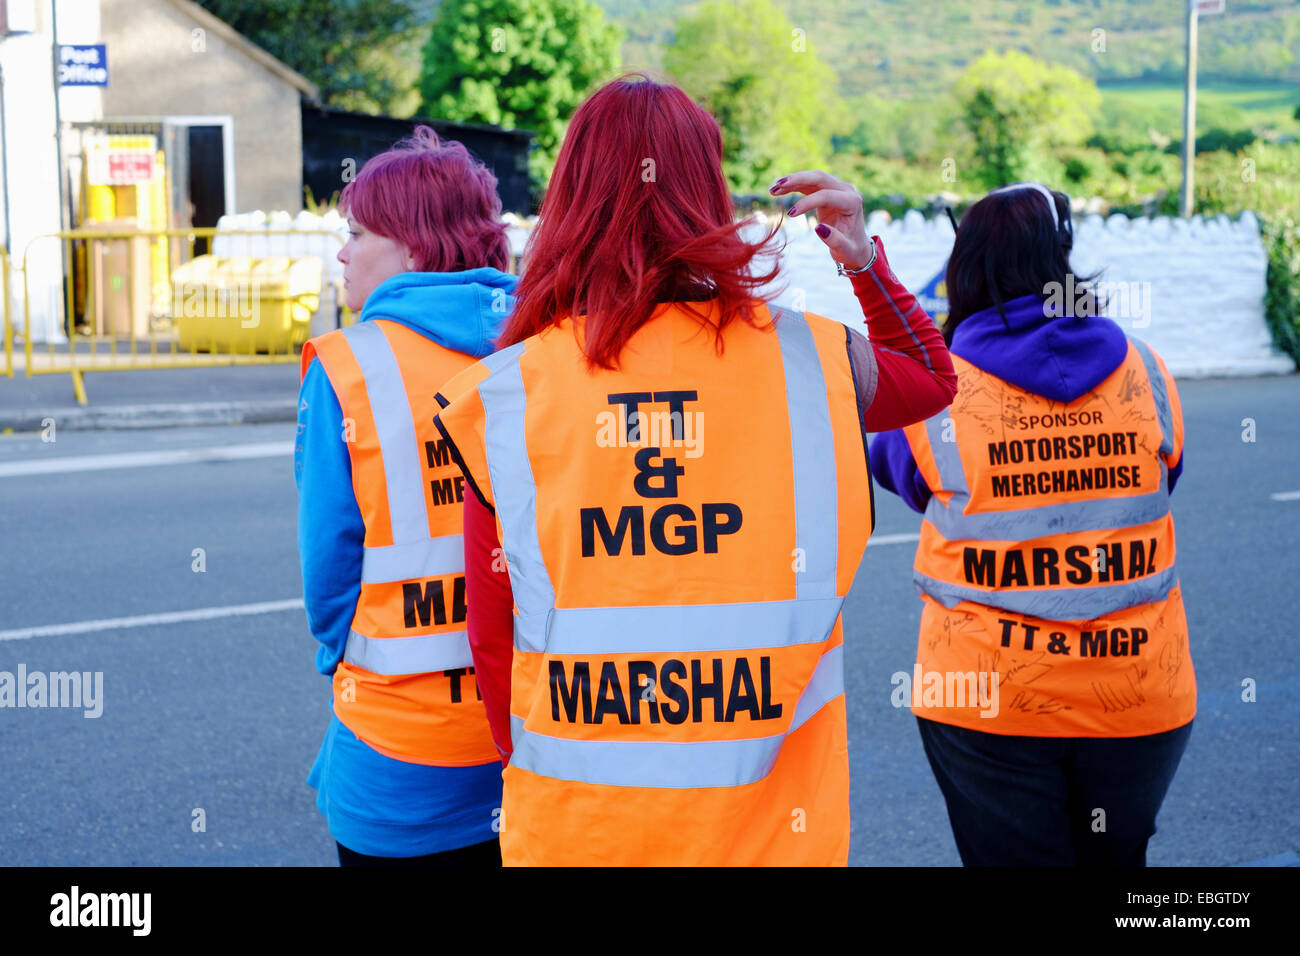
(690, 628)
(429, 558)
(1159, 394)
(424, 653)
(1098, 514)
(505, 442)
(673, 764)
(812, 444)
(499, 360)
(414, 554)
(1056, 604)
(826, 683)
(952, 475)
(391, 409)
(1022, 524)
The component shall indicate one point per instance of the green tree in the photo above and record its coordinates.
(361, 53)
(1019, 110)
(756, 73)
(523, 64)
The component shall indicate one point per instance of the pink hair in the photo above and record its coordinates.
(436, 199)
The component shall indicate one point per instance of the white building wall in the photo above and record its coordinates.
(33, 186)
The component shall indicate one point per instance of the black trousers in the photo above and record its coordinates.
(476, 857)
(1052, 801)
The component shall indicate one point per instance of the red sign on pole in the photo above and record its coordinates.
(121, 160)
(1207, 8)
(130, 167)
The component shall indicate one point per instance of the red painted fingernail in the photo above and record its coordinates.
(823, 230)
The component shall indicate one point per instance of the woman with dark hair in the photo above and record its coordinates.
(408, 774)
(675, 474)
(1053, 684)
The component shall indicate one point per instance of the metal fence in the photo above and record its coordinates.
(7, 369)
(142, 299)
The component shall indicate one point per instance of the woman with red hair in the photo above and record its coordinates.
(675, 474)
(408, 774)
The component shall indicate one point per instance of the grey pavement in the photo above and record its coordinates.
(150, 398)
(225, 715)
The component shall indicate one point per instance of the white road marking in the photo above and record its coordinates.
(148, 620)
(892, 539)
(144, 459)
(1285, 495)
(210, 613)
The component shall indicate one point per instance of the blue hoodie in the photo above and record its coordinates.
(374, 804)
(1059, 358)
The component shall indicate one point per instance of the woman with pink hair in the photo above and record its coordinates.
(408, 774)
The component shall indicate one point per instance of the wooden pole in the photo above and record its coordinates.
(1187, 198)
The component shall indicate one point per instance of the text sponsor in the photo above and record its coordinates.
(1058, 420)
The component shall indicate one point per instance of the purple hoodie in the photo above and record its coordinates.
(1058, 358)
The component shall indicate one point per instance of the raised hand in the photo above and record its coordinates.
(839, 213)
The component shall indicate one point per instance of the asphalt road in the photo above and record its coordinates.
(223, 715)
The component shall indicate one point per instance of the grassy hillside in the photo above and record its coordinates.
(1223, 105)
(901, 49)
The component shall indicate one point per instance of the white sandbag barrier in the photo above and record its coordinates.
(1193, 289)
(259, 235)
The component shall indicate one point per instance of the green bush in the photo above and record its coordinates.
(1282, 295)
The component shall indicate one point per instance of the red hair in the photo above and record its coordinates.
(637, 212)
(436, 199)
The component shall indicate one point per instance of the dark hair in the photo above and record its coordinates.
(1008, 246)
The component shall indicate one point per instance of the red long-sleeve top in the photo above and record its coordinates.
(914, 380)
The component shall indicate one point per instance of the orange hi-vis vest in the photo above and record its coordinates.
(1047, 559)
(406, 684)
(681, 534)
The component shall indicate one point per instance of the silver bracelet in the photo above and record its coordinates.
(841, 271)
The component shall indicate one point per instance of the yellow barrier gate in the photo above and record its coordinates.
(7, 369)
(140, 299)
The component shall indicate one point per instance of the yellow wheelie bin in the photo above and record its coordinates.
(245, 305)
